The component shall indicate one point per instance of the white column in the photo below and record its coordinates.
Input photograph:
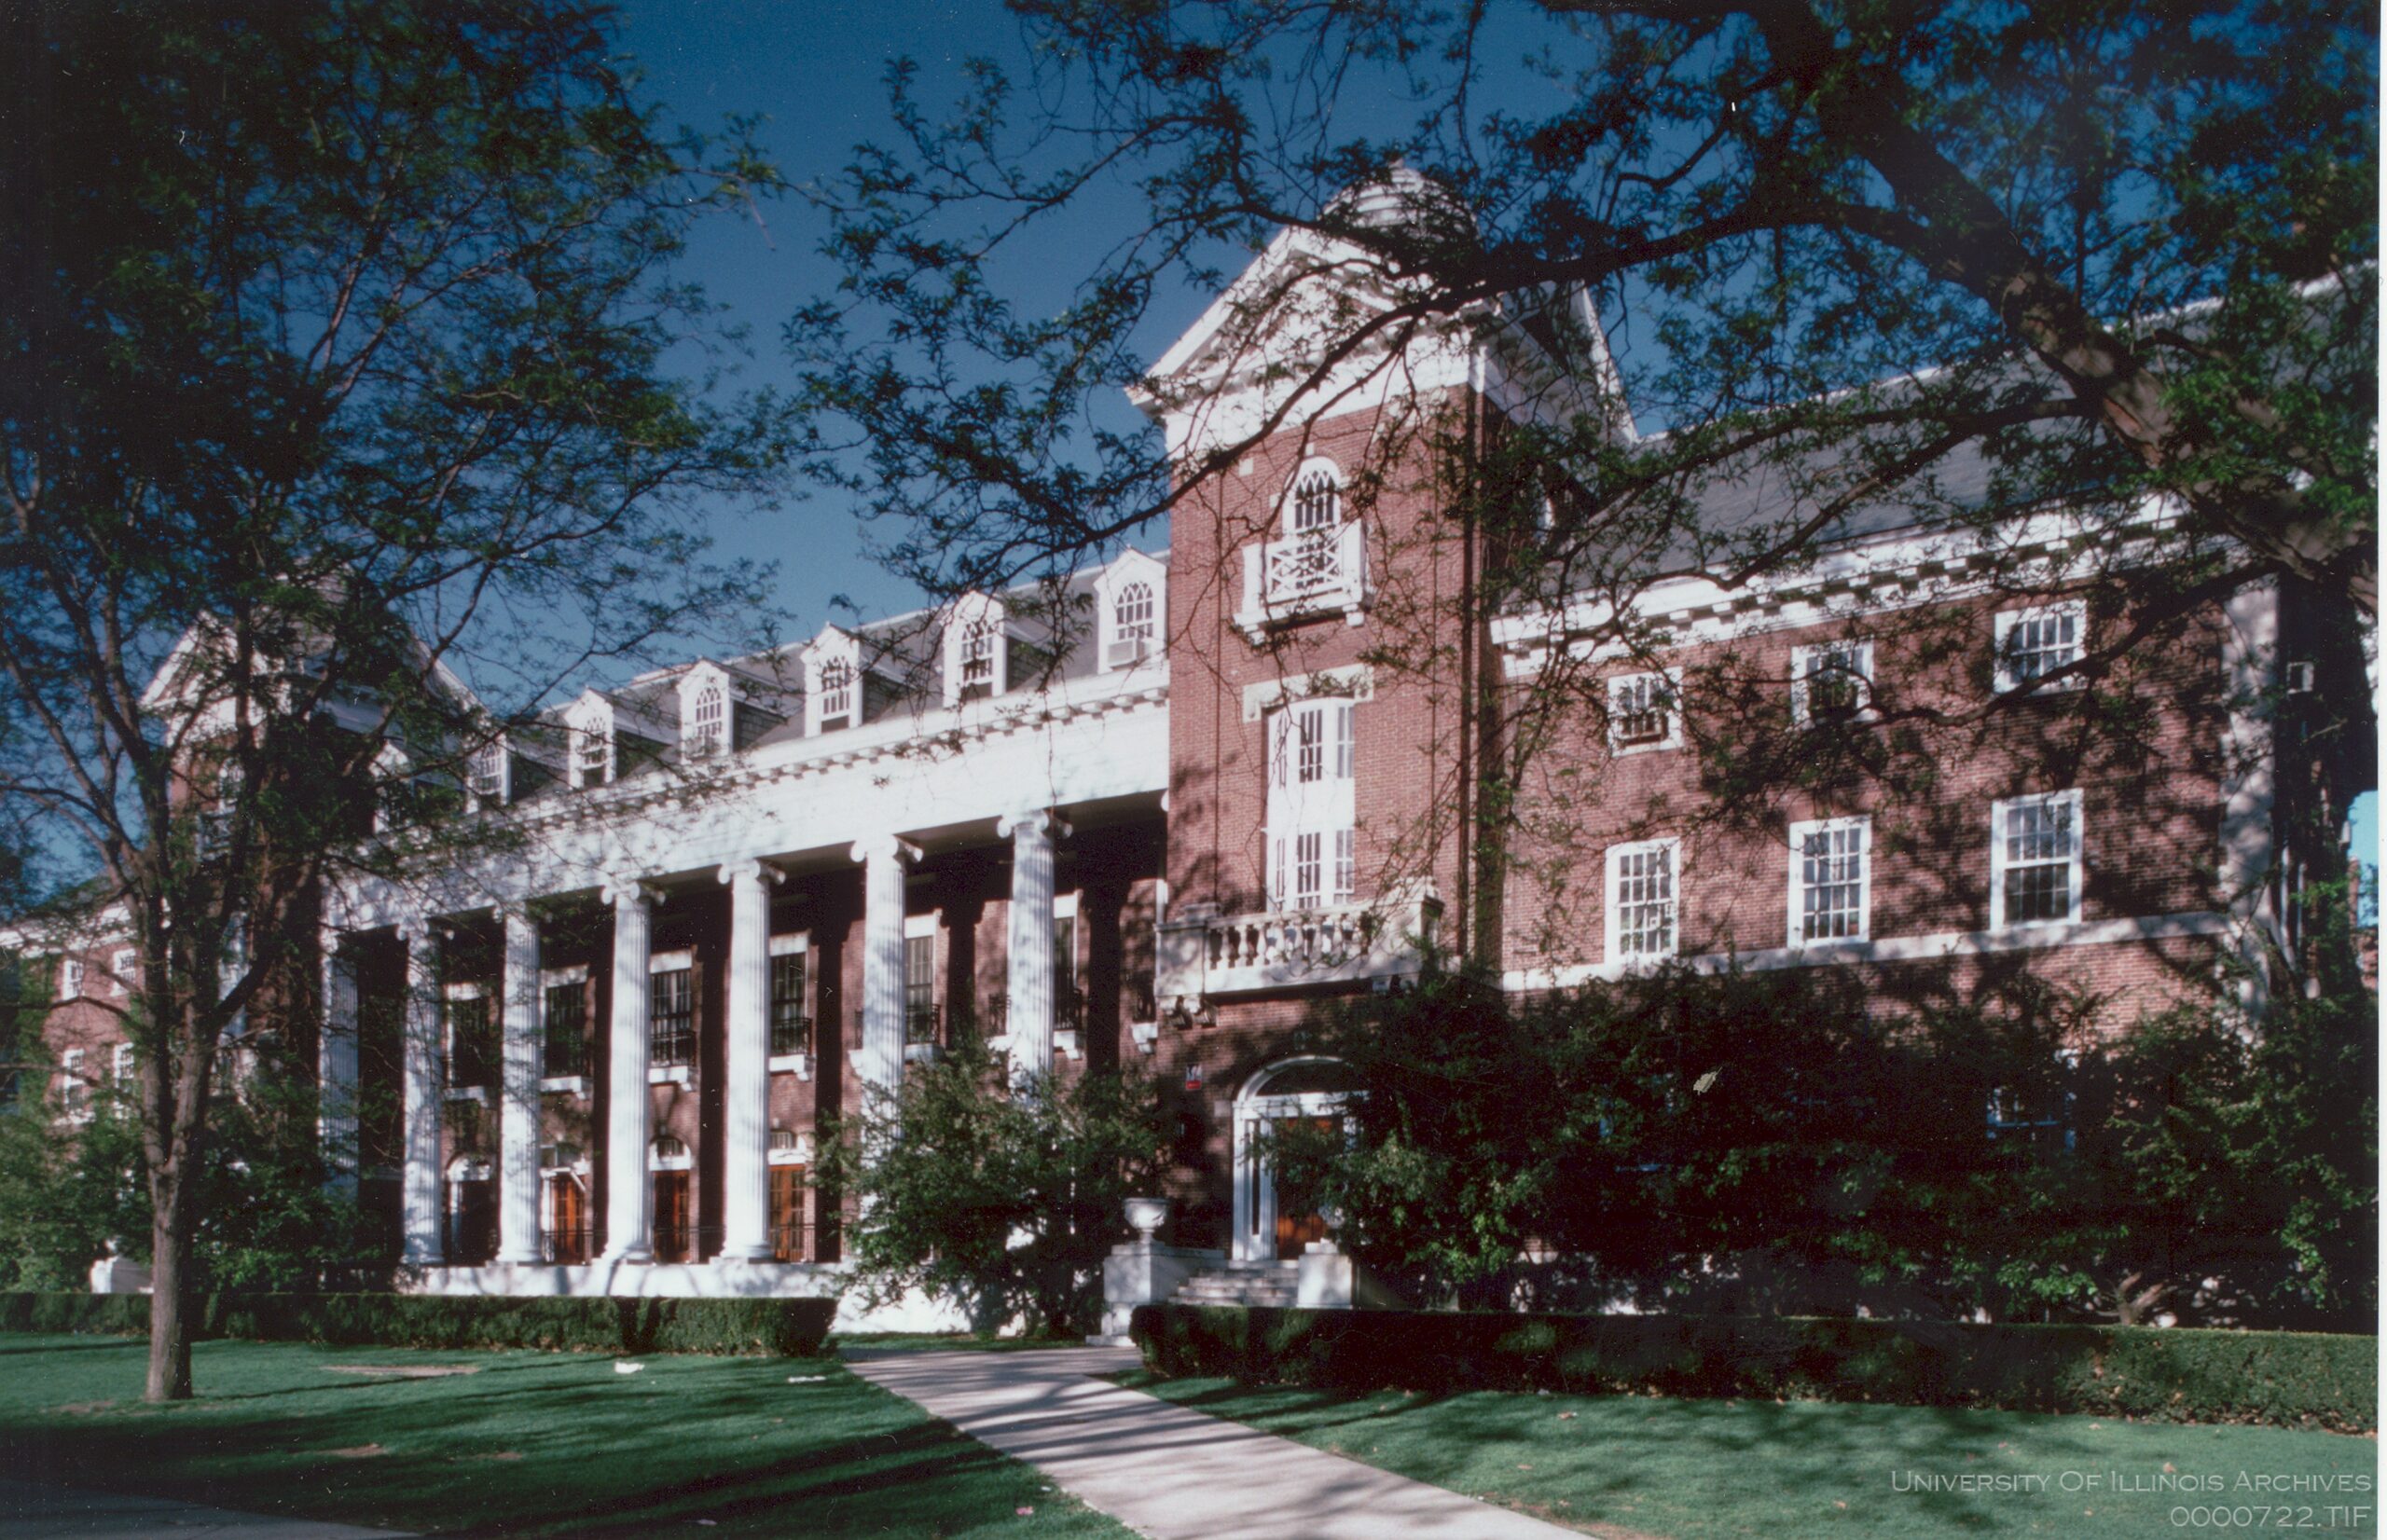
(2249, 784)
(884, 858)
(517, 1191)
(629, 1197)
(423, 1055)
(1028, 1012)
(335, 1063)
(746, 1176)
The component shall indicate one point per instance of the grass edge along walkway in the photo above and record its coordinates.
(1648, 1466)
(520, 1443)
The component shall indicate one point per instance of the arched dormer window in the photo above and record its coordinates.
(977, 649)
(590, 760)
(833, 683)
(708, 723)
(1131, 611)
(487, 771)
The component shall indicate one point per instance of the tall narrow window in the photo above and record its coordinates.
(836, 694)
(674, 1218)
(1068, 1006)
(791, 1013)
(1830, 880)
(919, 989)
(471, 1038)
(74, 1091)
(2035, 860)
(70, 979)
(593, 756)
(708, 722)
(485, 775)
(1313, 755)
(1132, 619)
(1642, 901)
(1317, 502)
(120, 1068)
(978, 658)
(565, 1013)
(672, 1018)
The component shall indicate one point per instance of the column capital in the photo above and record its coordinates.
(621, 891)
(881, 846)
(752, 869)
(1046, 819)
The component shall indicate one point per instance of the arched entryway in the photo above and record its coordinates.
(1312, 1089)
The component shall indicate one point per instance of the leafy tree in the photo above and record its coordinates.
(1661, 1125)
(337, 341)
(1002, 1200)
(1889, 263)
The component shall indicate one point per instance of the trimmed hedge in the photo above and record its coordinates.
(793, 1329)
(2294, 1379)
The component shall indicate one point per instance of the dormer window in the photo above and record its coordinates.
(1131, 600)
(486, 774)
(592, 755)
(833, 683)
(977, 647)
(707, 721)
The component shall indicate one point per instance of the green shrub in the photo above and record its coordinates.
(784, 1328)
(2278, 1379)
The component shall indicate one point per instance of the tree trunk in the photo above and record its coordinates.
(170, 1324)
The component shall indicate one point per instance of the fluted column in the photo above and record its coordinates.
(629, 1198)
(1028, 1012)
(746, 1176)
(517, 1219)
(422, 1056)
(884, 858)
(335, 1063)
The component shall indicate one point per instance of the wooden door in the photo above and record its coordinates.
(473, 1227)
(671, 1229)
(1295, 1231)
(787, 1212)
(567, 1219)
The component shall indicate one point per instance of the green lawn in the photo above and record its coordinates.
(1704, 1470)
(526, 1444)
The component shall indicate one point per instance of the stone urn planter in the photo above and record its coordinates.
(1145, 1216)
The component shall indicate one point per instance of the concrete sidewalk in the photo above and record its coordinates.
(32, 1512)
(1170, 1473)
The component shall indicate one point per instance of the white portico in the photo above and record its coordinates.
(835, 885)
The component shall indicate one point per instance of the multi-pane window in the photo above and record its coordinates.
(121, 1067)
(1642, 900)
(122, 969)
(1313, 763)
(564, 1012)
(1132, 618)
(836, 693)
(1641, 711)
(708, 722)
(1830, 880)
(791, 1016)
(2033, 644)
(1831, 681)
(2035, 859)
(1317, 502)
(485, 774)
(472, 1037)
(593, 756)
(74, 1093)
(70, 979)
(672, 1018)
(978, 658)
(919, 989)
(1068, 1006)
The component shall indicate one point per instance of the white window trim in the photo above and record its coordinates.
(1793, 925)
(1294, 815)
(972, 611)
(122, 966)
(703, 677)
(1608, 909)
(1132, 567)
(74, 1087)
(503, 751)
(798, 944)
(70, 978)
(2008, 619)
(798, 1153)
(658, 1161)
(1309, 467)
(1672, 679)
(782, 945)
(122, 1064)
(1800, 655)
(1997, 862)
(591, 716)
(833, 645)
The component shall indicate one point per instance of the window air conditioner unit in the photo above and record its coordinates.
(1125, 651)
